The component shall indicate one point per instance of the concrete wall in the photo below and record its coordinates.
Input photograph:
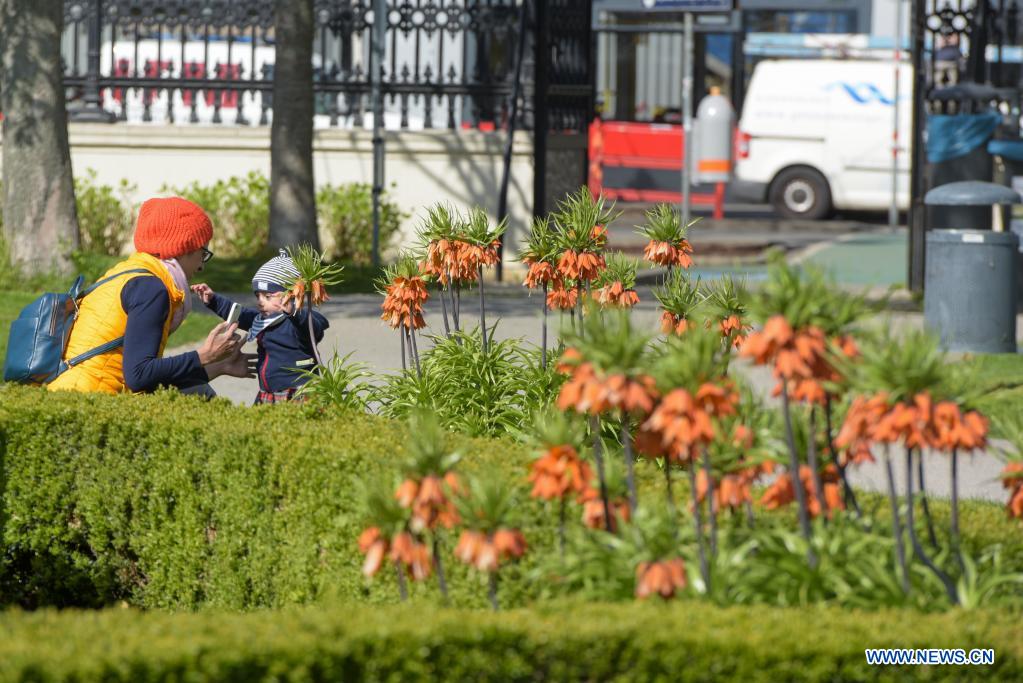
(421, 167)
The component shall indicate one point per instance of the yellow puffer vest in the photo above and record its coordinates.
(101, 319)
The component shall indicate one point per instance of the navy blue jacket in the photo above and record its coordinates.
(146, 303)
(281, 348)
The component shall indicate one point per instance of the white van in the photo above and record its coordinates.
(816, 135)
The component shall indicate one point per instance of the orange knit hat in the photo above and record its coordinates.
(170, 227)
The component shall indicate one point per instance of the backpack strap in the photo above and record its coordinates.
(92, 353)
(105, 280)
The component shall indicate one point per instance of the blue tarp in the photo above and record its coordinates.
(950, 137)
(1007, 149)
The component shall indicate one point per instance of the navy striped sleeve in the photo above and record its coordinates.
(147, 305)
(221, 305)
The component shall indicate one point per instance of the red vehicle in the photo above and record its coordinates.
(642, 162)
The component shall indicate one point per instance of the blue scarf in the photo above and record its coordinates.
(262, 323)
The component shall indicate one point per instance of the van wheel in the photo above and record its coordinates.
(801, 193)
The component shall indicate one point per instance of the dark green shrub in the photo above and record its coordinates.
(345, 214)
(168, 501)
(565, 641)
(240, 209)
(106, 217)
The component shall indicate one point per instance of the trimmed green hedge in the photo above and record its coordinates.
(171, 501)
(684, 641)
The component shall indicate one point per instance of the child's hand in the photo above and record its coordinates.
(203, 291)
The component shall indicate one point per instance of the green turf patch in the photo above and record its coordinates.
(11, 304)
(874, 259)
(999, 378)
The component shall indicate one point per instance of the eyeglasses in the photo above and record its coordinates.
(206, 254)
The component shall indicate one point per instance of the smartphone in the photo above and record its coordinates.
(234, 314)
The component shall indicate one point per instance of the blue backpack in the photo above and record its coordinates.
(38, 338)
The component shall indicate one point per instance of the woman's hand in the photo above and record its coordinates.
(221, 343)
(238, 365)
(203, 291)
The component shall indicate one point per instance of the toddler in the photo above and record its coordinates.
(281, 333)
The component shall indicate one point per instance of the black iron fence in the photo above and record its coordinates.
(448, 63)
(974, 60)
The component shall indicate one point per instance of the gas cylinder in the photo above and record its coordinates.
(715, 121)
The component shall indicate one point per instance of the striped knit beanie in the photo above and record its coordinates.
(272, 275)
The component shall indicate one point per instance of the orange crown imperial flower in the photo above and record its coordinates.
(462, 260)
(584, 266)
(673, 324)
(799, 356)
(615, 294)
(952, 429)
(540, 273)
(920, 423)
(1012, 479)
(663, 578)
(782, 492)
(592, 392)
(561, 297)
(437, 261)
(486, 553)
(558, 473)
(668, 254)
(403, 303)
(405, 550)
(733, 327)
(593, 510)
(473, 256)
(681, 421)
(374, 546)
(430, 504)
(730, 491)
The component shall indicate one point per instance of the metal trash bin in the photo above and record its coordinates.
(970, 275)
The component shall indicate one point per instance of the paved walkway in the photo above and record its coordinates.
(355, 328)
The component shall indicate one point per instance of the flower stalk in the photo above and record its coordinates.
(811, 459)
(629, 466)
(598, 458)
(438, 566)
(698, 527)
(543, 337)
(804, 516)
(931, 535)
(483, 311)
(402, 586)
(711, 507)
(918, 549)
(900, 551)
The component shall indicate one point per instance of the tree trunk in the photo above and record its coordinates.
(40, 222)
(292, 193)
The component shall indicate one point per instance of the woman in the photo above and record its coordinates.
(145, 299)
